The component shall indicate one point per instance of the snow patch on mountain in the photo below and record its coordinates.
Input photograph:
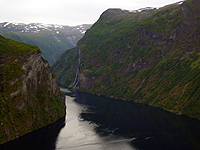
(151, 8)
(40, 27)
(6, 24)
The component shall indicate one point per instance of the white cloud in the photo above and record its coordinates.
(67, 12)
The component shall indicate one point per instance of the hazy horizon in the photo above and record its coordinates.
(65, 12)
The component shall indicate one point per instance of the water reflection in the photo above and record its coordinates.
(99, 123)
(42, 139)
(80, 134)
(147, 127)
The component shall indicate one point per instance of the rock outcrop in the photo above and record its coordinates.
(30, 97)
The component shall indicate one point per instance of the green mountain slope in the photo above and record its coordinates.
(149, 56)
(29, 95)
(53, 40)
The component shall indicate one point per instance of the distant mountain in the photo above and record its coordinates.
(148, 56)
(51, 39)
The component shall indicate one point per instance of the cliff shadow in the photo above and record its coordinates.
(44, 138)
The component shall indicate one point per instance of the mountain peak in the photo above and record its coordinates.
(55, 38)
(150, 56)
(41, 27)
(117, 12)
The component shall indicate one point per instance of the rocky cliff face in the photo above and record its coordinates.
(148, 56)
(30, 97)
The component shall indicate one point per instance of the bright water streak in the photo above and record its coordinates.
(80, 135)
(99, 123)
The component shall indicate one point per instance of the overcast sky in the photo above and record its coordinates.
(67, 12)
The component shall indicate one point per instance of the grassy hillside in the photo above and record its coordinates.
(150, 56)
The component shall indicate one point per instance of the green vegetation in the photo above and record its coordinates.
(26, 104)
(148, 57)
(72, 62)
(50, 43)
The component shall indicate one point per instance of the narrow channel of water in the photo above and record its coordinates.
(99, 123)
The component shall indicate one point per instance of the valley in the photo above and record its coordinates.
(131, 81)
(52, 39)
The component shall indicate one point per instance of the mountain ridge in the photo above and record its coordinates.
(52, 39)
(149, 57)
(23, 27)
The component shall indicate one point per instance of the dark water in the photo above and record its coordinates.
(100, 123)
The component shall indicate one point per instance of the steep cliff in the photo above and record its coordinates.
(30, 97)
(148, 56)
